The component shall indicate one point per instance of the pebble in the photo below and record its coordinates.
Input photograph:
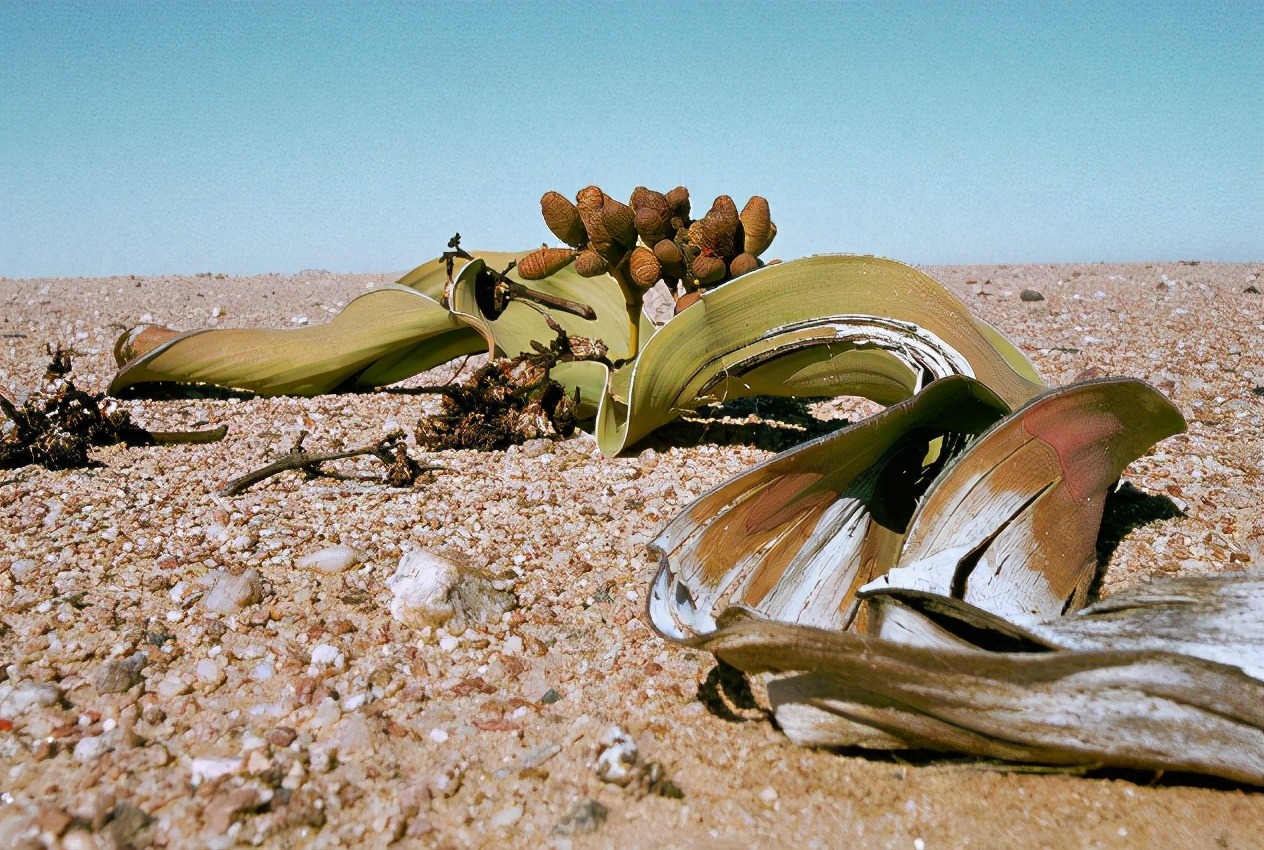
(231, 593)
(90, 748)
(210, 768)
(618, 757)
(422, 587)
(22, 569)
(208, 671)
(172, 686)
(327, 713)
(119, 675)
(327, 655)
(588, 816)
(330, 561)
(242, 542)
(539, 756)
(506, 817)
(280, 736)
(431, 590)
(439, 736)
(1030, 295)
(28, 695)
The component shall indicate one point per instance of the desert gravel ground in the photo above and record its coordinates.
(301, 714)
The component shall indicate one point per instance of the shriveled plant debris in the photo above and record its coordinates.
(511, 400)
(57, 423)
(401, 469)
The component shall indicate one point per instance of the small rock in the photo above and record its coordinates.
(330, 561)
(257, 762)
(506, 817)
(127, 825)
(90, 748)
(588, 816)
(618, 758)
(280, 736)
(208, 672)
(119, 675)
(54, 821)
(227, 805)
(153, 714)
(538, 756)
(1030, 295)
(204, 768)
(327, 655)
(22, 569)
(242, 542)
(28, 695)
(231, 593)
(431, 590)
(172, 686)
(327, 713)
(79, 839)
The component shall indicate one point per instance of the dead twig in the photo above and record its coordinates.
(403, 471)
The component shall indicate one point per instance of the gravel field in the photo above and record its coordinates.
(171, 675)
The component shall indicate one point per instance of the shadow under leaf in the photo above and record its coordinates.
(771, 423)
(1127, 508)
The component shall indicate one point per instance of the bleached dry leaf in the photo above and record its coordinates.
(1164, 678)
(794, 537)
(1008, 522)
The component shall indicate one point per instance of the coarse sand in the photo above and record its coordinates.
(281, 707)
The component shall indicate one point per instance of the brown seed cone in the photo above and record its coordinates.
(590, 264)
(699, 235)
(708, 269)
(678, 200)
(590, 202)
(721, 224)
(644, 267)
(563, 219)
(619, 221)
(758, 227)
(743, 263)
(668, 253)
(652, 214)
(543, 262)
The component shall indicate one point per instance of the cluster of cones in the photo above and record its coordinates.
(651, 239)
(603, 235)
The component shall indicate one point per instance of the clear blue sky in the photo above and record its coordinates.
(182, 137)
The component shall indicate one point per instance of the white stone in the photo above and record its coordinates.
(327, 655)
(422, 585)
(507, 817)
(331, 560)
(213, 768)
(439, 736)
(90, 748)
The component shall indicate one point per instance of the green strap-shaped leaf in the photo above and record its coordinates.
(827, 325)
(312, 360)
